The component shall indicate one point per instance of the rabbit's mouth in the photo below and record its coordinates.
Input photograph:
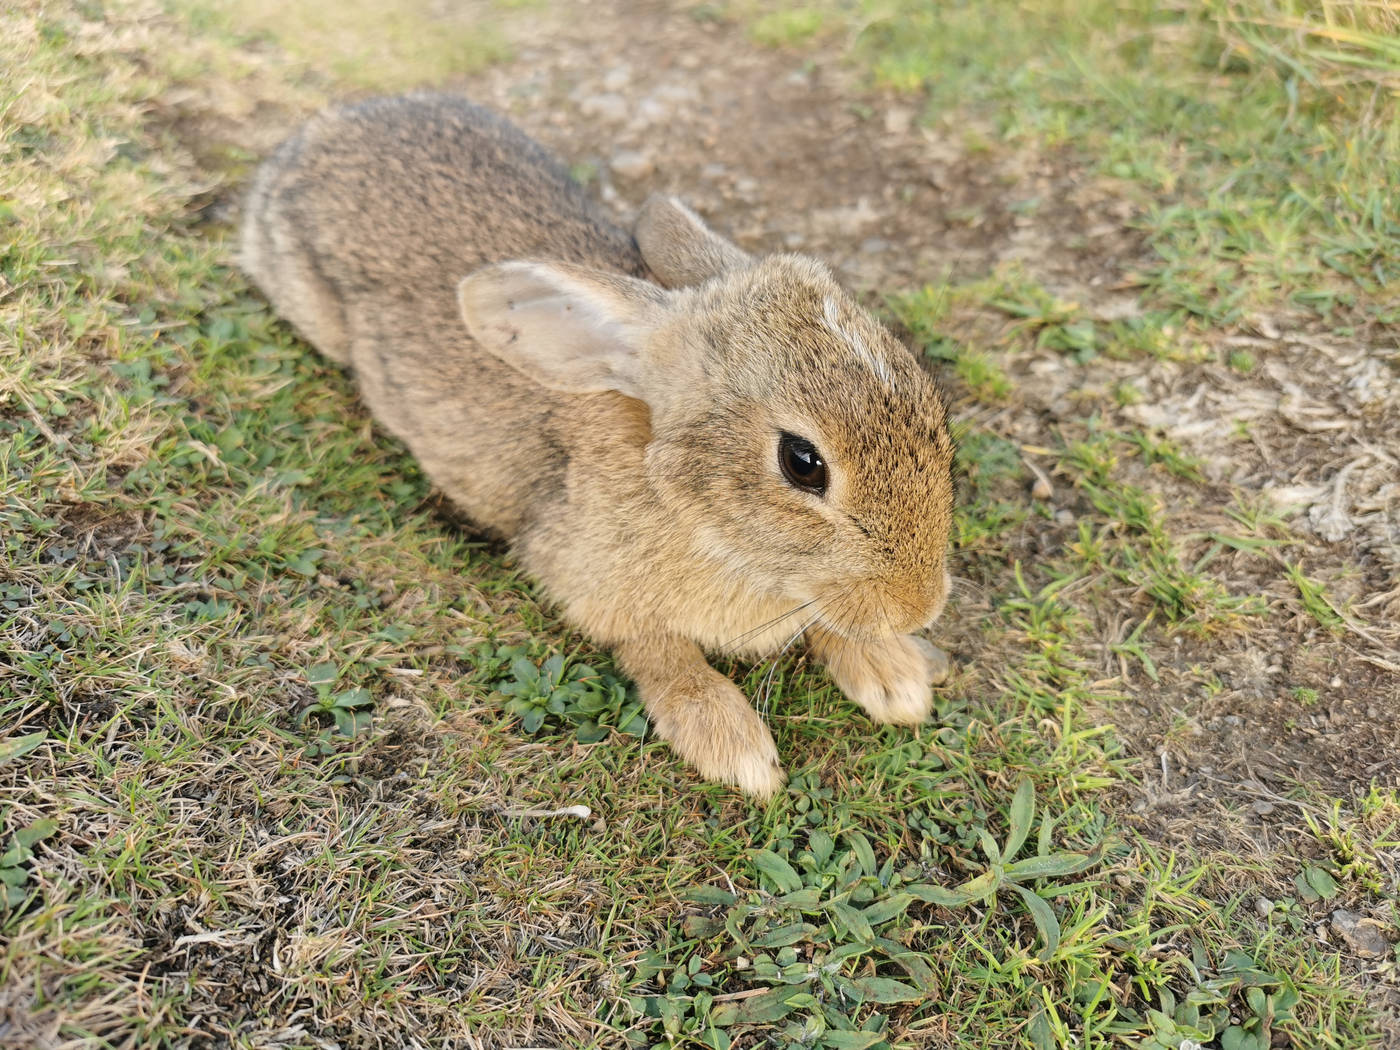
(871, 609)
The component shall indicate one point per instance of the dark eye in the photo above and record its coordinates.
(802, 464)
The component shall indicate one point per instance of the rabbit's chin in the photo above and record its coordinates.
(865, 634)
(872, 616)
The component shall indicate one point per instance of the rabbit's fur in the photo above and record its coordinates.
(614, 407)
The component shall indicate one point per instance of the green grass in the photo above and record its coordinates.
(788, 28)
(1264, 178)
(271, 725)
(1258, 140)
(380, 47)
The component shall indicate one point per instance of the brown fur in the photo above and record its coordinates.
(623, 433)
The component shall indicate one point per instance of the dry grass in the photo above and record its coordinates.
(1327, 42)
(205, 548)
(219, 862)
(384, 47)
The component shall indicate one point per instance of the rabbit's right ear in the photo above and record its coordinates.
(569, 328)
(679, 248)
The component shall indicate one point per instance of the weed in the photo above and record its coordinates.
(1315, 600)
(346, 707)
(1005, 873)
(13, 871)
(983, 377)
(1353, 859)
(1241, 361)
(578, 696)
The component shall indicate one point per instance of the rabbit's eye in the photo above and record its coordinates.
(802, 464)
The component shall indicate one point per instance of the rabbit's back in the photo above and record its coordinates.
(359, 228)
(400, 198)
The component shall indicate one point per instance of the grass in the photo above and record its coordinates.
(372, 46)
(1250, 133)
(275, 733)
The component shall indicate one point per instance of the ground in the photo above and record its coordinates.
(274, 731)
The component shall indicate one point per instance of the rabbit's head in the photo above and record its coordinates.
(793, 439)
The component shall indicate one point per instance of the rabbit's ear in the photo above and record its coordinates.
(679, 248)
(569, 328)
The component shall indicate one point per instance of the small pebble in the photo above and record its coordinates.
(608, 107)
(898, 120)
(1043, 490)
(1362, 934)
(1264, 808)
(632, 164)
(1263, 906)
(649, 111)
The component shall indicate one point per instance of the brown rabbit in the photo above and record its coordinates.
(721, 461)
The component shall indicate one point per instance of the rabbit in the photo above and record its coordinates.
(689, 448)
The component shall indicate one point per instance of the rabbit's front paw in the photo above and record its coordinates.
(890, 678)
(715, 729)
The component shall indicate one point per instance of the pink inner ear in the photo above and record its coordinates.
(562, 328)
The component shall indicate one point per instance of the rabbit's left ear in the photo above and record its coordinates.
(679, 248)
(569, 328)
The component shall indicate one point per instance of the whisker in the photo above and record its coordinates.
(766, 693)
(961, 585)
(882, 606)
(666, 694)
(839, 619)
(963, 552)
(740, 639)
